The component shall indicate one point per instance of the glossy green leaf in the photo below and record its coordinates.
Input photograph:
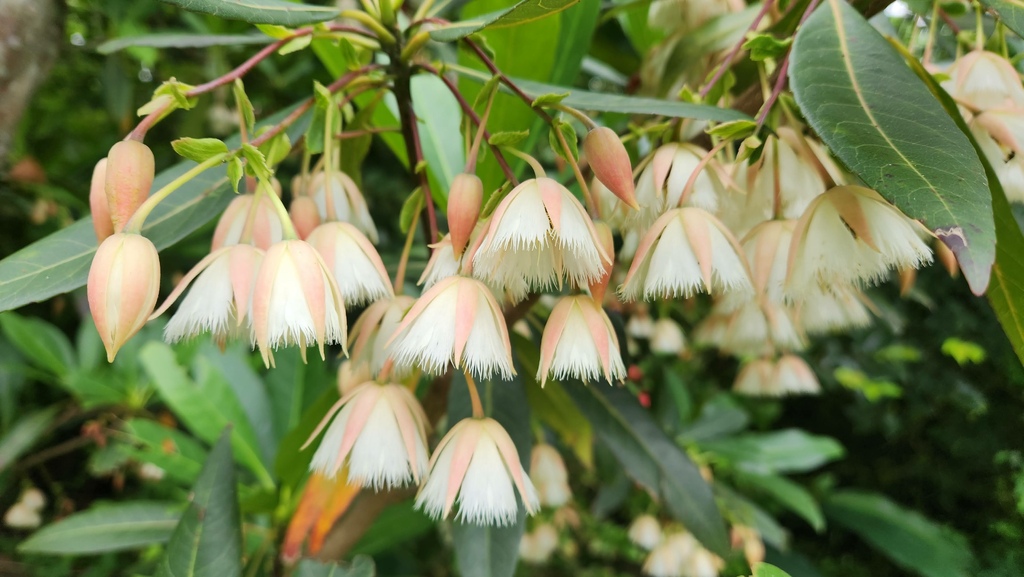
(23, 434)
(741, 510)
(521, 13)
(396, 525)
(489, 551)
(207, 542)
(42, 343)
(235, 369)
(1011, 13)
(199, 149)
(103, 528)
(785, 451)
(293, 461)
(908, 538)
(360, 566)
(181, 40)
(279, 12)
(652, 459)
(60, 262)
(205, 407)
(881, 121)
(788, 494)
(177, 453)
(766, 570)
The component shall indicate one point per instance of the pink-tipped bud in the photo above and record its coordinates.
(124, 281)
(305, 216)
(604, 235)
(610, 162)
(130, 171)
(98, 202)
(464, 200)
(300, 185)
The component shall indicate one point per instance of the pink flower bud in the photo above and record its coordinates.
(610, 163)
(124, 281)
(604, 235)
(130, 170)
(464, 200)
(304, 215)
(98, 202)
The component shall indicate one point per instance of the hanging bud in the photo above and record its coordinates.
(604, 236)
(610, 162)
(464, 200)
(550, 477)
(130, 170)
(124, 281)
(305, 216)
(645, 532)
(98, 202)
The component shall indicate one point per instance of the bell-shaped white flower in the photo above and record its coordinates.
(850, 235)
(352, 260)
(789, 375)
(579, 342)
(983, 80)
(767, 251)
(1000, 134)
(296, 301)
(456, 322)
(831, 310)
(667, 337)
(669, 557)
(262, 223)
(218, 300)
(541, 234)
(753, 327)
(441, 265)
(661, 185)
(686, 251)
(374, 328)
(538, 545)
(379, 431)
(347, 202)
(476, 467)
(551, 479)
(645, 532)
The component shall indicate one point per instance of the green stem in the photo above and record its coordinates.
(282, 212)
(136, 221)
(538, 170)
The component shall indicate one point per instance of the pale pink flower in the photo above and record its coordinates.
(379, 432)
(538, 545)
(348, 202)
(354, 263)
(686, 251)
(983, 80)
(668, 558)
(296, 301)
(547, 469)
(220, 290)
(752, 327)
(541, 234)
(264, 225)
(1000, 134)
(661, 185)
(579, 342)
(457, 322)
(767, 250)
(124, 282)
(645, 532)
(788, 375)
(374, 328)
(441, 265)
(749, 539)
(476, 467)
(834, 309)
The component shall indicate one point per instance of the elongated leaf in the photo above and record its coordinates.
(103, 528)
(178, 454)
(604, 102)
(911, 540)
(766, 570)
(652, 459)
(207, 542)
(235, 371)
(881, 121)
(280, 12)
(488, 551)
(181, 40)
(361, 566)
(41, 342)
(1010, 12)
(205, 410)
(521, 13)
(789, 450)
(60, 262)
(788, 494)
(396, 525)
(23, 434)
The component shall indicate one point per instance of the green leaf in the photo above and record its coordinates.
(881, 121)
(602, 102)
(766, 570)
(199, 149)
(1010, 12)
(44, 344)
(24, 433)
(280, 12)
(180, 40)
(410, 210)
(508, 137)
(548, 100)
(396, 525)
(788, 494)
(569, 134)
(276, 149)
(489, 551)
(179, 455)
(908, 538)
(765, 46)
(205, 408)
(103, 528)
(785, 451)
(177, 91)
(293, 462)
(733, 130)
(236, 170)
(207, 542)
(652, 459)
(360, 566)
(296, 44)
(60, 262)
(244, 104)
(521, 13)
(256, 162)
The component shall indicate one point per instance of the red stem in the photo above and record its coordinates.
(735, 50)
(780, 81)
